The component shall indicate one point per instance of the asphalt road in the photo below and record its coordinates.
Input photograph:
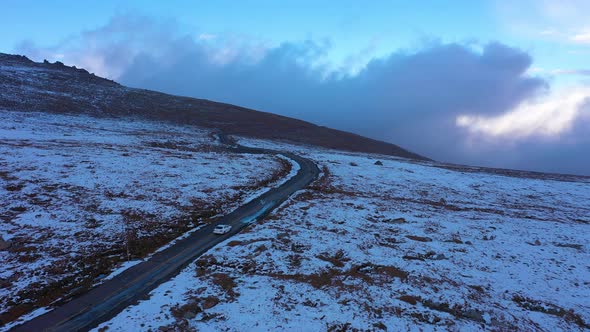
(106, 300)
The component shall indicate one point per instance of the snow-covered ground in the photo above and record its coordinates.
(398, 246)
(80, 195)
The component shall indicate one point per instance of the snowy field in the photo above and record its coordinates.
(392, 245)
(80, 195)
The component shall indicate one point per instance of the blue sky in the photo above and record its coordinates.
(493, 82)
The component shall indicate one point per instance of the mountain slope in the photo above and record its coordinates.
(56, 88)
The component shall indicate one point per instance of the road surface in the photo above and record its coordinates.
(106, 300)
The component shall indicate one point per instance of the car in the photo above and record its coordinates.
(221, 229)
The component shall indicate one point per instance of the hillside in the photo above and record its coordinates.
(79, 196)
(56, 88)
(386, 244)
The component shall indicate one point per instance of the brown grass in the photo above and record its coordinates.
(186, 311)
(235, 243)
(457, 310)
(550, 309)
(226, 283)
(69, 277)
(334, 277)
(338, 259)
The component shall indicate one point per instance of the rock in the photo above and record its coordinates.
(569, 245)
(4, 283)
(4, 244)
(378, 163)
(397, 221)
(189, 315)
(380, 326)
(210, 302)
(413, 300)
(474, 315)
(419, 238)
(18, 209)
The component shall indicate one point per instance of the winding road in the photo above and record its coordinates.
(108, 299)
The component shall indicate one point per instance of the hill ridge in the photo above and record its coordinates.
(57, 88)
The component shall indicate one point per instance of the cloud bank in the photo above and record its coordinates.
(451, 102)
(549, 117)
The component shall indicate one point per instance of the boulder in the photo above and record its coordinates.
(4, 244)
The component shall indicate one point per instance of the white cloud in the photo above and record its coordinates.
(551, 20)
(548, 32)
(536, 70)
(581, 38)
(207, 36)
(583, 72)
(567, 11)
(549, 117)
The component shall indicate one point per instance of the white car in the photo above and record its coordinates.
(221, 229)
